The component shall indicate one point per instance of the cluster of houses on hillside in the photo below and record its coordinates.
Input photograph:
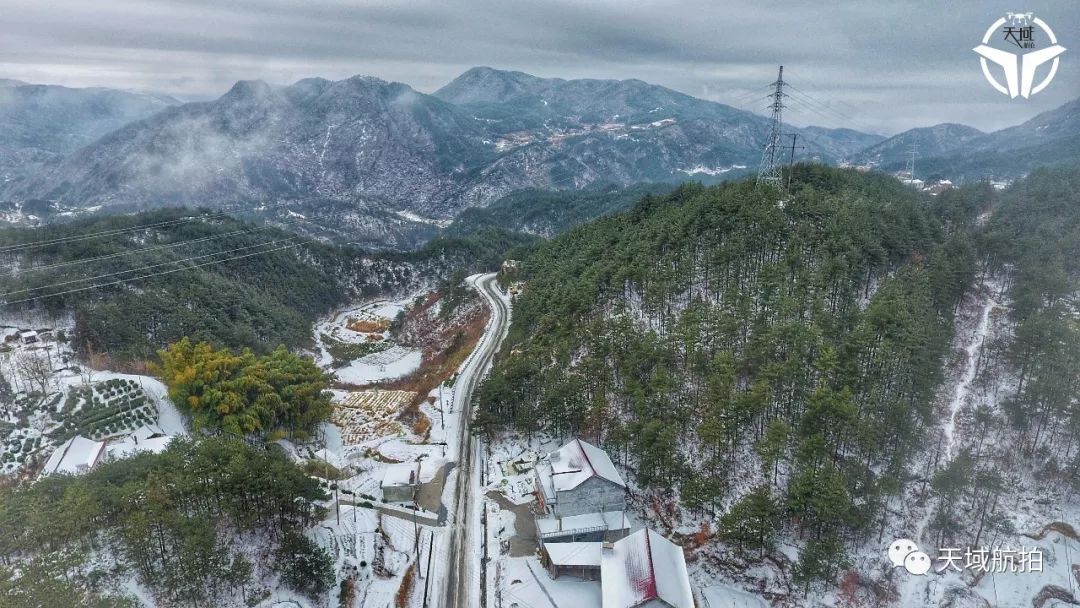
(583, 531)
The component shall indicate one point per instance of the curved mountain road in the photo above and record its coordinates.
(464, 577)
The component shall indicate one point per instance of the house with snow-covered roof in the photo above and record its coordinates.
(75, 456)
(581, 560)
(579, 478)
(644, 570)
(147, 438)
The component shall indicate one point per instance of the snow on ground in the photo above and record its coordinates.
(527, 584)
(1030, 502)
(55, 393)
(726, 596)
(378, 314)
(395, 362)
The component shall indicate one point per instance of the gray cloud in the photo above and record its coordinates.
(881, 65)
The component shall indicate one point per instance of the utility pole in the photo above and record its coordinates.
(769, 170)
(791, 161)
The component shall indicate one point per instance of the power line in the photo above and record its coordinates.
(808, 99)
(840, 102)
(158, 265)
(94, 235)
(155, 274)
(818, 107)
(144, 250)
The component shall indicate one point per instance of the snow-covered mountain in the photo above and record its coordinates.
(371, 143)
(41, 123)
(964, 153)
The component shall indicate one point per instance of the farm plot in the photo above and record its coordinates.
(372, 414)
(106, 409)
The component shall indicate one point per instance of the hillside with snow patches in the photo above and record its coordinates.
(786, 418)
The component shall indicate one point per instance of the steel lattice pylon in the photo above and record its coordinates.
(769, 171)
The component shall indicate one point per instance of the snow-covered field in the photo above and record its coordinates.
(366, 324)
(395, 362)
(56, 397)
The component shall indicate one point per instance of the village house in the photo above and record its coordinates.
(641, 570)
(644, 570)
(75, 456)
(147, 438)
(579, 478)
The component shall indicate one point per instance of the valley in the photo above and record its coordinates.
(486, 338)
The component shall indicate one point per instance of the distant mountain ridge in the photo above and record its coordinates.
(383, 146)
(41, 123)
(964, 153)
(367, 156)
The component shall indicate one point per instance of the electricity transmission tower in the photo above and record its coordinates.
(911, 160)
(771, 159)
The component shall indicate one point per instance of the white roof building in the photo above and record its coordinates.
(147, 438)
(574, 555)
(400, 481)
(145, 432)
(577, 462)
(579, 478)
(75, 456)
(645, 569)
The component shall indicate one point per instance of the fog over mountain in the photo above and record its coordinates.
(366, 158)
(372, 142)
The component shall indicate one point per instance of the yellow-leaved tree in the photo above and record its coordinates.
(244, 394)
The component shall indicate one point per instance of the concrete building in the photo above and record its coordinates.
(644, 570)
(400, 481)
(75, 456)
(579, 478)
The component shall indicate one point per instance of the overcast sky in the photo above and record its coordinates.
(885, 66)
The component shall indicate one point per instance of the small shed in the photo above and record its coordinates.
(572, 559)
(400, 482)
(28, 337)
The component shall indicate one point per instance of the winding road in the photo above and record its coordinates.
(464, 556)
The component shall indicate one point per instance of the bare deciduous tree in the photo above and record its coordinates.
(35, 369)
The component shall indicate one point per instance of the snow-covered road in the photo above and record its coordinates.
(463, 575)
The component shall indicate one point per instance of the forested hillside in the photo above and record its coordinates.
(158, 278)
(177, 520)
(546, 213)
(1034, 242)
(772, 359)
